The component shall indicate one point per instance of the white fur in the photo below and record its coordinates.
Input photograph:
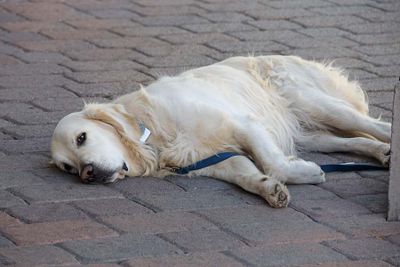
(264, 108)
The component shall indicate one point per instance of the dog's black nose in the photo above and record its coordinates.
(124, 167)
(87, 174)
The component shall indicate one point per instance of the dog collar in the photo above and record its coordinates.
(145, 133)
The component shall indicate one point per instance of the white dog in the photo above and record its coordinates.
(263, 108)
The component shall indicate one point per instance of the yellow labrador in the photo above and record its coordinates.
(263, 108)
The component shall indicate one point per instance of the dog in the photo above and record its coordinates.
(264, 108)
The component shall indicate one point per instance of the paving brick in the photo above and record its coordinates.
(149, 31)
(10, 179)
(137, 186)
(47, 57)
(351, 187)
(111, 207)
(193, 259)
(309, 192)
(284, 13)
(27, 94)
(37, 255)
(120, 248)
(171, 20)
(31, 162)
(346, 10)
(328, 21)
(267, 36)
(96, 5)
(55, 45)
(25, 146)
(363, 225)
(32, 80)
(201, 200)
(102, 89)
(103, 65)
(288, 255)
(263, 225)
(112, 13)
(67, 104)
(57, 193)
(4, 242)
(98, 54)
(32, 26)
(7, 17)
(376, 39)
(216, 16)
(160, 222)
(169, 10)
(219, 27)
(203, 240)
(274, 24)
(334, 208)
(379, 84)
(325, 32)
(7, 220)
(56, 232)
(9, 60)
(377, 203)
(357, 263)
(13, 37)
(46, 11)
(248, 47)
(199, 183)
(95, 23)
(108, 76)
(368, 248)
(61, 34)
(48, 212)
(8, 200)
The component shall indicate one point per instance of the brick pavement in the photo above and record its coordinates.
(54, 53)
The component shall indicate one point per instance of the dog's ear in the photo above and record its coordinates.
(127, 128)
(112, 114)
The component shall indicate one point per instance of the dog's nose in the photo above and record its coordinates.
(87, 173)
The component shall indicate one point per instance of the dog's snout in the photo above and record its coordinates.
(87, 174)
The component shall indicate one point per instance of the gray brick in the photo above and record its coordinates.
(381, 49)
(65, 104)
(48, 57)
(108, 76)
(218, 27)
(368, 248)
(202, 200)
(149, 31)
(27, 94)
(55, 45)
(156, 223)
(25, 146)
(328, 21)
(110, 207)
(351, 187)
(199, 183)
(388, 71)
(377, 203)
(169, 10)
(47, 212)
(38, 255)
(8, 200)
(57, 193)
(376, 39)
(197, 38)
(203, 240)
(287, 255)
(262, 225)
(106, 89)
(372, 27)
(378, 84)
(226, 16)
(285, 13)
(328, 207)
(127, 42)
(358, 226)
(99, 54)
(191, 259)
(4, 242)
(326, 32)
(32, 81)
(268, 35)
(12, 179)
(346, 10)
(274, 25)
(120, 248)
(31, 162)
(248, 47)
(103, 65)
(95, 23)
(172, 20)
(113, 13)
(137, 186)
(309, 192)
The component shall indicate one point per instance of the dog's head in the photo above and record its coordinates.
(101, 144)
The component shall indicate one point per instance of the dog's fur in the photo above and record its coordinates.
(264, 108)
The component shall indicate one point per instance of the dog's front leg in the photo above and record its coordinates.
(255, 139)
(241, 171)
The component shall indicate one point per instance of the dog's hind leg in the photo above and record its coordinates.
(241, 171)
(257, 141)
(340, 115)
(326, 142)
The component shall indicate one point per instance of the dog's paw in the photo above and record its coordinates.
(383, 155)
(276, 193)
(302, 172)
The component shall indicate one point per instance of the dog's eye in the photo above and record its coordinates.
(67, 167)
(81, 139)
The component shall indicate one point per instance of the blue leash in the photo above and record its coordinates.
(217, 158)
